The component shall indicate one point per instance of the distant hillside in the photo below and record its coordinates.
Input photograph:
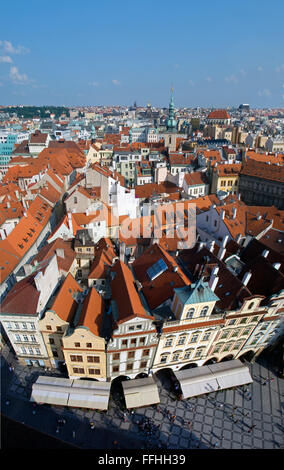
(30, 112)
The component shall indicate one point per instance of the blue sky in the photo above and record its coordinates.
(218, 54)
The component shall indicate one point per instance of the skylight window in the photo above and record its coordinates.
(157, 269)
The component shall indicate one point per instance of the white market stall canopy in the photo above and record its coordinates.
(140, 392)
(206, 379)
(196, 381)
(67, 392)
(231, 373)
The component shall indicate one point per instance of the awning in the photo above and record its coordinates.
(140, 392)
(87, 394)
(231, 373)
(53, 395)
(206, 379)
(196, 381)
(66, 392)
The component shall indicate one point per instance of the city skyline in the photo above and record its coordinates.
(119, 53)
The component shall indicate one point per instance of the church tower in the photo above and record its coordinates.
(171, 121)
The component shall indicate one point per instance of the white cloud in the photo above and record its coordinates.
(17, 77)
(231, 79)
(264, 92)
(94, 83)
(6, 59)
(8, 47)
(208, 79)
(243, 72)
(259, 68)
(115, 82)
(176, 66)
(279, 68)
(191, 82)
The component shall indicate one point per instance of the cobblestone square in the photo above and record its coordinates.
(212, 424)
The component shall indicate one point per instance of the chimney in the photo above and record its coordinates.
(222, 214)
(265, 253)
(201, 245)
(234, 212)
(225, 240)
(246, 278)
(60, 252)
(221, 253)
(8, 205)
(213, 283)
(277, 266)
(28, 269)
(211, 246)
(70, 222)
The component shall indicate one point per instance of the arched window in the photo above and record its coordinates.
(251, 305)
(190, 313)
(181, 339)
(164, 358)
(204, 311)
(188, 353)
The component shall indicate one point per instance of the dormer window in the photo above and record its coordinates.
(190, 313)
(204, 311)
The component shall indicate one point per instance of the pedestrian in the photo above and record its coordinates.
(73, 434)
(92, 425)
(251, 428)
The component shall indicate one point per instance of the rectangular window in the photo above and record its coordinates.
(89, 345)
(143, 365)
(142, 340)
(78, 370)
(48, 327)
(24, 325)
(124, 342)
(93, 359)
(58, 328)
(131, 355)
(33, 338)
(25, 338)
(116, 357)
(77, 345)
(129, 367)
(115, 369)
(76, 358)
(146, 352)
(133, 342)
(51, 341)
